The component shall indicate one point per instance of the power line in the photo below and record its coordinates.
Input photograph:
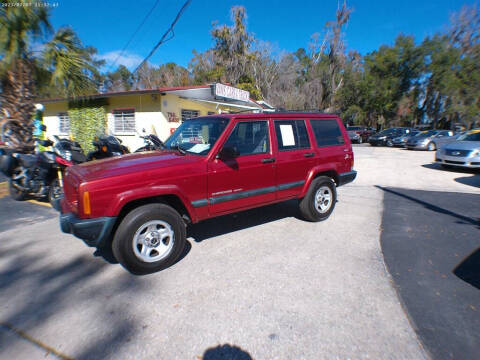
(163, 38)
(134, 34)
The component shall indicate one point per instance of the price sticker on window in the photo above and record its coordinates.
(287, 135)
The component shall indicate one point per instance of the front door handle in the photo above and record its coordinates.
(270, 160)
(309, 154)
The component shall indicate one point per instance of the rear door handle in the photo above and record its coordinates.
(270, 160)
(309, 154)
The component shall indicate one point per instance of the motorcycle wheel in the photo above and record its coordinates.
(15, 193)
(55, 193)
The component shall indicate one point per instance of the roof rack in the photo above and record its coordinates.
(285, 111)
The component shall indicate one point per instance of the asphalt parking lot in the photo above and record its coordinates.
(259, 284)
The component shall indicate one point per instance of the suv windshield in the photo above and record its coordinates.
(471, 136)
(197, 136)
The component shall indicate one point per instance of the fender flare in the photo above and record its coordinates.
(327, 169)
(146, 192)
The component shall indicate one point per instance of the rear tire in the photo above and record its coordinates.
(15, 193)
(319, 202)
(431, 146)
(54, 193)
(149, 239)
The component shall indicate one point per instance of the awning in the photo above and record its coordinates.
(224, 104)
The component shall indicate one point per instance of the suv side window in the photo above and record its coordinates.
(291, 135)
(327, 132)
(250, 137)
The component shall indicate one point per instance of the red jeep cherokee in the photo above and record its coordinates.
(210, 166)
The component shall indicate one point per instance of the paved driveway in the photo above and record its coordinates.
(260, 284)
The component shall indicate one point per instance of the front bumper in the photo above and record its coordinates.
(376, 142)
(468, 162)
(94, 232)
(347, 177)
(419, 146)
(399, 143)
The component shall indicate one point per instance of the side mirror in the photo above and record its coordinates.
(227, 153)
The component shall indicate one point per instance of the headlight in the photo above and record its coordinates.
(382, 137)
(476, 152)
(424, 141)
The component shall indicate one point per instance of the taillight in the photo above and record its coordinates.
(63, 162)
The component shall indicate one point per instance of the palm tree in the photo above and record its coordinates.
(29, 66)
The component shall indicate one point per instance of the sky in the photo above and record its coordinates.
(288, 25)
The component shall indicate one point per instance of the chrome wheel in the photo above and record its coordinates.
(153, 241)
(323, 199)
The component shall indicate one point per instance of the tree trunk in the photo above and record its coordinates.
(17, 99)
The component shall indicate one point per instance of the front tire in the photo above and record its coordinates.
(149, 239)
(15, 193)
(431, 146)
(319, 202)
(54, 193)
(360, 140)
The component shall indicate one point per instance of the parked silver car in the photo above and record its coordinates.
(465, 152)
(401, 141)
(426, 139)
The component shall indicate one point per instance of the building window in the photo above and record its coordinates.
(124, 120)
(188, 114)
(64, 123)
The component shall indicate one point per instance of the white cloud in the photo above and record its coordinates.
(128, 59)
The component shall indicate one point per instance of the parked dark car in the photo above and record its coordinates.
(385, 137)
(426, 139)
(359, 134)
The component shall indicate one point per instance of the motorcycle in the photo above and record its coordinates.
(40, 175)
(107, 146)
(152, 142)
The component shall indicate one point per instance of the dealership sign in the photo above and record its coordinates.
(229, 92)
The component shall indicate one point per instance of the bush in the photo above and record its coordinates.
(86, 123)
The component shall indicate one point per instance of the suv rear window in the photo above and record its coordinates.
(291, 135)
(327, 132)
